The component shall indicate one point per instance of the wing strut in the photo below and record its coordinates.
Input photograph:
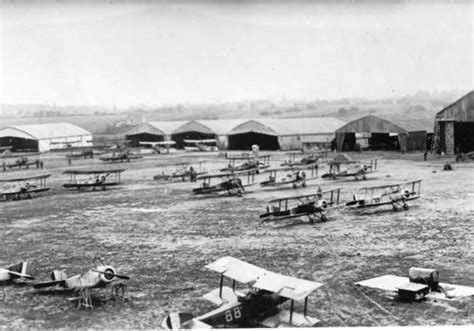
(220, 286)
(233, 285)
(305, 305)
(291, 310)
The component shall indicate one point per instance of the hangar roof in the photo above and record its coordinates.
(44, 131)
(372, 123)
(218, 127)
(289, 126)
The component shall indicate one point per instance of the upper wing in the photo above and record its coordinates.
(24, 178)
(286, 286)
(236, 269)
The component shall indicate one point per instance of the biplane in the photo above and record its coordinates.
(186, 172)
(17, 188)
(21, 161)
(420, 284)
(94, 178)
(252, 163)
(355, 169)
(98, 277)
(202, 145)
(294, 176)
(121, 156)
(309, 159)
(260, 306)
(231, 183)
(312, 206)
(15, 274)
(396, 195)
(159, 147)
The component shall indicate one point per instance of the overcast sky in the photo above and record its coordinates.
(165, 53)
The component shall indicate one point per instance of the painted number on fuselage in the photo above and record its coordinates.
(233, 314)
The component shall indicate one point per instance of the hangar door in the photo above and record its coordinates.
(193, 135)
(20, 144)
(464, 137)
(136, 138)
(244, 141)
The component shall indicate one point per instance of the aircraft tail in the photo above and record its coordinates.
(175, 321)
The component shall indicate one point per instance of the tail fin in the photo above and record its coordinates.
(175, 321)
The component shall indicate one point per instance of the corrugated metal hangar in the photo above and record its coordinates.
(284, 133)
(44, 137)
(454, 127)
(206, 129)
(375, 133)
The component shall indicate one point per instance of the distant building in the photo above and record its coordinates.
(137, 117)
(387, 133)
(44, 137)
(454, 127)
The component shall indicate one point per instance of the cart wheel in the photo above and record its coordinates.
(406, 207)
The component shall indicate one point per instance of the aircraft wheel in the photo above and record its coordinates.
(324, 218)
(394, 208)
(405, 207)
(364, 177)
(294, 185)
(304, 184)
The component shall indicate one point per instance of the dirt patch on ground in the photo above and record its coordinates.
(163, 235)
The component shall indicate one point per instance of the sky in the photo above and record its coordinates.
(159, 52)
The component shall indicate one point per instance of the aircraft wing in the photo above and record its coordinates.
(282, 320)
(298, 197)
(24, 178)
(219, 297)
(236, 269)
(93, 172)
(286, 286)
(49, 283)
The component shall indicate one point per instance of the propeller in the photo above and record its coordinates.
(115, 275)
(21, 275)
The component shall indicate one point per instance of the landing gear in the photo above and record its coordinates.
(84, 300)
(405, 206)
(323, 218)
(394, 208)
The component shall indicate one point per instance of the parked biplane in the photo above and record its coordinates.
(231, 183)
(121, 156)
(184, 173)
(420, 284)
(309, 159)
(201, 145)
(356, 169)
(98, 277)
(397, 195)
(252, 163)
(159, 147)
(294, 176)
(261, 306)
(21, 161)
(314, 206)
(18, 188)
(94, 178)
(15, 274)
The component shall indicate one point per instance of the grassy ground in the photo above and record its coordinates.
(163, 236)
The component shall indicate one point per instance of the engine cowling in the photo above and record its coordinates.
(108, 273)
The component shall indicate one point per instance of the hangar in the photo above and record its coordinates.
(44, 137)
(206, 129)
(152, 131)
(454, 127)
(375, 133)
(283, 133)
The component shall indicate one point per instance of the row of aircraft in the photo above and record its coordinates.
(262, 303)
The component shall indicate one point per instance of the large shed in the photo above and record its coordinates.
(375, 133)
(283, 133)
(206, 129)
(44, 137)
(454, 127)
(152, 131)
